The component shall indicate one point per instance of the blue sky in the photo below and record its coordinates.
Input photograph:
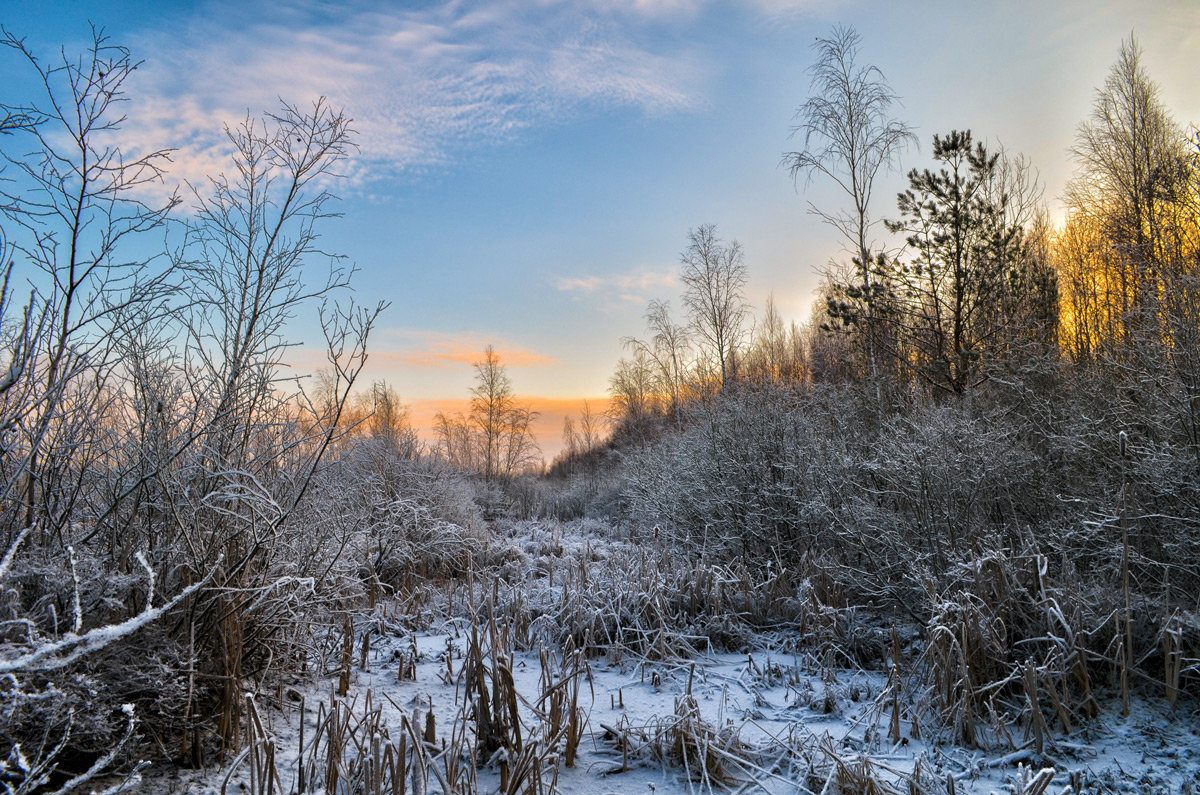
(529, 169)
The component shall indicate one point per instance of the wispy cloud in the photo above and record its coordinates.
(634, 287)
(776, 9)
(397, 350)
(421, 85)
(435, 349)
(667, 9)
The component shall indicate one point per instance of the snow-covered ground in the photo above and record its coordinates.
(771, 717)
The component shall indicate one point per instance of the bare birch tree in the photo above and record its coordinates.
(669, 348)
(498, 430)
(714, 277)
(850, 138)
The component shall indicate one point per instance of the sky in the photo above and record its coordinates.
(529, 170)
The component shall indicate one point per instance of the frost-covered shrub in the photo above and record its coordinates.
(1012, 637)
(1006, 522)
(768, 473)
(155, 448)
(83, 662)
(564, 498)
(395, 517)
(748, 476)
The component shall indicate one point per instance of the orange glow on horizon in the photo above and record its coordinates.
(547, 427)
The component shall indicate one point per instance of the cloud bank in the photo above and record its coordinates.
(635, 287)
(434, 349)
(422, 84)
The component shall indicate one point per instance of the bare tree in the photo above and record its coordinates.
(255, 262)
(491, 400)
(149, 418)
(1132, 250)
(850, 137)
(502, 426)
(1128, 154)
(88, 394)
(455, 440)
(632, 389)
(256, 234)
(73, 206)
(777, 351)
(581, 438)
(714, 280)
(570, 438)
(591, 427)
(385, 418)
(669, 348)
(160, 424)
(520, 451)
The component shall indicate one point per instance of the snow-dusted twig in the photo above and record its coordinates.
(105, 762)
(66, 651)
(6, 563)
(77, 624)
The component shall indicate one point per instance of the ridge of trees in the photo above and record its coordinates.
(975, 281)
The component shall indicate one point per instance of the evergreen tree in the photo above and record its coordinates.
(973, 282)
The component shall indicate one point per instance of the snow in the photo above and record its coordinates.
(778, 717)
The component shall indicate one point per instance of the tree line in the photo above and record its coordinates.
(966, 278)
